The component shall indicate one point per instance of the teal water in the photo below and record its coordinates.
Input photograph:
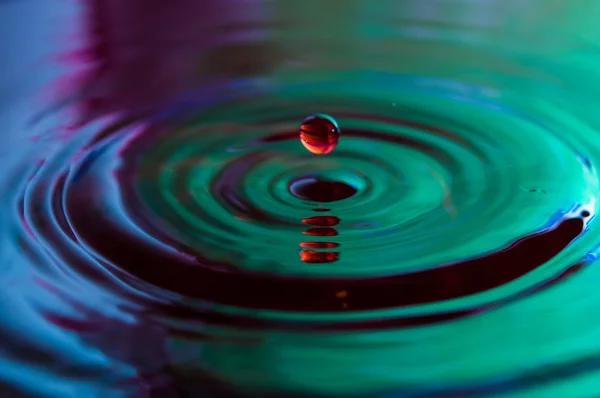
(166, 234)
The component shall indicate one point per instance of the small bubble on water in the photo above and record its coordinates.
(585, 214)
(319, 133)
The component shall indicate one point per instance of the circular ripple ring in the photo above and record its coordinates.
(214, 208)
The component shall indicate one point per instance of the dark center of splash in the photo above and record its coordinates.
(316, 189)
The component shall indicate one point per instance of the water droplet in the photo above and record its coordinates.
(319, 133)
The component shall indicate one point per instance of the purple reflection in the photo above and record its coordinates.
(136, 53)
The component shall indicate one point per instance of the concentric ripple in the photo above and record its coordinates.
(432, 207)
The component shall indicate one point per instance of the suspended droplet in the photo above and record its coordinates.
(319, 133)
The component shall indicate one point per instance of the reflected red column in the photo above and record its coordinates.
(316, 252)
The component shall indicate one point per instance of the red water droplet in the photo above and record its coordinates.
(319, 134)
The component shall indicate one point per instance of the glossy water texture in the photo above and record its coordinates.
(164, 233)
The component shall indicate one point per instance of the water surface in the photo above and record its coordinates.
(165, 234)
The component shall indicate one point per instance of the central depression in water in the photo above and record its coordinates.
(434, 210)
